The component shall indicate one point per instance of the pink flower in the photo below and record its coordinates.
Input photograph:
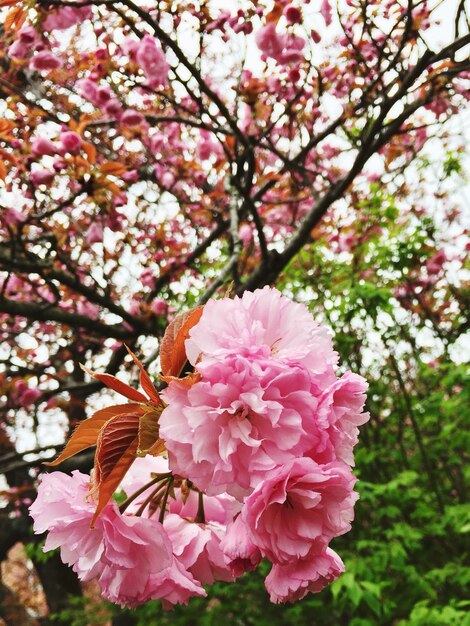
(207, 146)
(197, 548)
(285, 48)
(88, 309)
(131, 117)
(29, 397)
(293, 14)
(246, 234)
(262, 325)
(41, 177)
(26, 42)
(148, 278)
(299, 507)
(339, 414)
(44, 61)
(12, 217)
(220, 509)
(65, 17)
(325, 11)
(140, 565)
(63, 508)
(113, 108)
(435, 263)
(42, 146)
(94, 233)
(269, 41)
(241, 554)
(131, 556)
(292, 582)
(244, 419)
(151, 59)
(159, 306)
(71, 142)
(88, 89)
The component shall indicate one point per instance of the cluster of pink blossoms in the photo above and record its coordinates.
(259, 443)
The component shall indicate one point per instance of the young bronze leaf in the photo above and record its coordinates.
(115, 452)
(112, 168)
(186, 381)
(86, 433)
(148, 432)
(172, 351)
(145, 381)
(117, 385)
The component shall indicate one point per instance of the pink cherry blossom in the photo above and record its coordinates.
(65, 17)
(71, 142)
(300, 506)
(29, 396)
(131, 117)
(268, 40)
(41, 177)
(293, 14)
(325, 11)
(246, 234)
(243, 419)
(159, 306)
(339, 414)
(197, 548)
(43, 146)
(241, 554)
(139, 563)
(12, 217)
(44, 61)
(285, 48)
(26, 42)
(151, 59)
(63, 508)
(94, 233)
(131, 556)
(292, 582)
(262, 324)
(435, 263)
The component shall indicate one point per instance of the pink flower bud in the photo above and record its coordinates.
(71, 142)
(41, 177)
(131, 117)
(293, 14)
(94, 234)
(42, 146)
(44, 61)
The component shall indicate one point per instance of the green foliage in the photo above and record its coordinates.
(83, 612)
(34, 551)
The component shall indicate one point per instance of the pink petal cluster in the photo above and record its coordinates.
(285, 48)
(150, 57)
(242, 420)
(71, 142)
(131, 556)
(42, 146)
(260, 448)
(26, 42)
(65, 17)
(270, 423)
(45, 61)
(292, 582)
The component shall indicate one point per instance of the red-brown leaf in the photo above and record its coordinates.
(115, 452)
(172, 351)
(86, 434)
(145, 381)
(149, 433)
(117, 385)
